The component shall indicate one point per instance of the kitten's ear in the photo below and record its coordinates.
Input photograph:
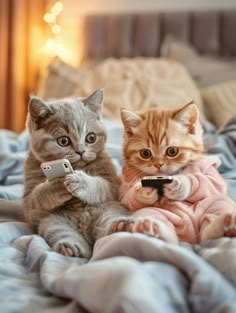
(188, 117)
(38, 109)
(95, 102)
(130, 120)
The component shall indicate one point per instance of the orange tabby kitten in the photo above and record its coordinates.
(195, 205)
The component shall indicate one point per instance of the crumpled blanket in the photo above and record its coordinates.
(223, 144)
(127, 273)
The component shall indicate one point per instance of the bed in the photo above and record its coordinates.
(129, 272)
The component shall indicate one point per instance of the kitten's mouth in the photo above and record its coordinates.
(158, 172)
(77, 158)
(154, 171)
(161, 172)
(74, 158)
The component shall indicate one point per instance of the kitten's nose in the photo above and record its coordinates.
(80, 153)
(158, 166)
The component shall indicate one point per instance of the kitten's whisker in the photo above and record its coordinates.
(68, 155)
(132, 171)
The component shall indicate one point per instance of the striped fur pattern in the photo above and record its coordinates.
(194, 206)
(71, 212)
(158, 130)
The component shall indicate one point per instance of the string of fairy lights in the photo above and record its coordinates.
(54, 43)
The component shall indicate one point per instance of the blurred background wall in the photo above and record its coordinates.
(81, 7)
(32, 32)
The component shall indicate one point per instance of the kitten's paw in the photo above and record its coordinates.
(67, 249)
(124, 224)
(155, 228)
(76, 182)
(72, 249)
(147, 226)
(57, 187)
(145, 195)
(179, 189)
(230, 225)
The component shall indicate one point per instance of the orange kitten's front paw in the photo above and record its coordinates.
(145, 195)
(179, 189)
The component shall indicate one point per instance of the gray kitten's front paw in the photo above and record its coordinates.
(57, 188)
(76, 183)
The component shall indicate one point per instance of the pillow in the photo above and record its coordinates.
(60, 80)
(220, 102)
(140, 83)
(205, 70)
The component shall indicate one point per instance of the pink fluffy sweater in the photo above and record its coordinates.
(208, 199)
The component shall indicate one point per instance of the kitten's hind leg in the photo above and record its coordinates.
(223, 225)
(109, 214)
(63, 236)
(148, 226)
(145, 225)
(230, 225)
(141, 225)
(123, 224)
(156, 227)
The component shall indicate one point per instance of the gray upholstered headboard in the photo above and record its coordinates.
(131, 35)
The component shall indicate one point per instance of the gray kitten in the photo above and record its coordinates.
(71, 212)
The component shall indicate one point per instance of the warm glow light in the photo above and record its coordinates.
(50, 45)
(49, 18)
(55, 43)
(57, 8)
(52, 48)
(56, 29)
(58, 38)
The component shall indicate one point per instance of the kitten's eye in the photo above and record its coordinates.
(91, 138)
(63, 141)
(172, 151)
(145, 153)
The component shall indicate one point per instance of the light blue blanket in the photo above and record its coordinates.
(129, 273)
